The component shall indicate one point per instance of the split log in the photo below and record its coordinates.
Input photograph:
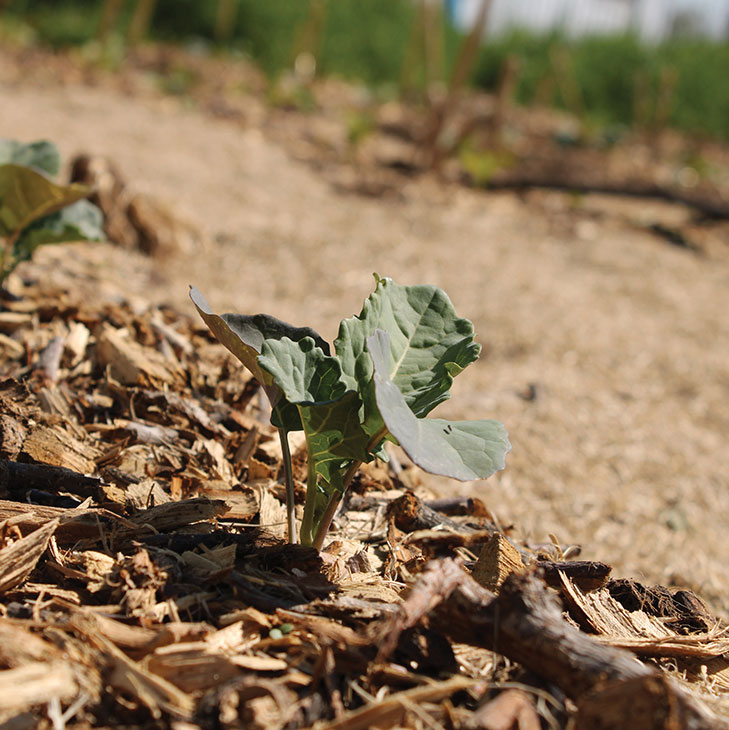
(525, 624)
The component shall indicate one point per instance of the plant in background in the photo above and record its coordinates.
(33, 209)
(392, 364)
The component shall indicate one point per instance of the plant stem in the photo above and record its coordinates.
(289, 480)
(336, 498)
(307, 522)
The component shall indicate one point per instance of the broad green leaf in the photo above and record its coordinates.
(334, 436)
(42, 155)
(244, 335)
(430, 345)
(459, 449)
(302, 370)
(312, 381)
(27, 195)
(80, 221)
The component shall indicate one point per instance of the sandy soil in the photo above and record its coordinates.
(623, 337)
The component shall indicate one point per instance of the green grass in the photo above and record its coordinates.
(612, 72)
(367, 41)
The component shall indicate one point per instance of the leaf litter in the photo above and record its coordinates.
(145, 580)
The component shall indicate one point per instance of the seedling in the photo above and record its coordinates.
(392, 364)
(33, 209)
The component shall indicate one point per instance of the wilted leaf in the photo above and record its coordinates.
(81, 221)
(244, 335)
(459, 449)
(42, 155)
(430, 345)
(27, 195)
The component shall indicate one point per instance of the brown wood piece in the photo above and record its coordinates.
(587, 574)
(18, 559)
(497, 561)
(525, 624)
(56, 447)
(20, 477)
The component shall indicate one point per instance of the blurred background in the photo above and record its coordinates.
(613, 62)
(559, 167)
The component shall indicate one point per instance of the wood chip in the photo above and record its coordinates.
(390, 711)
(153, 692)
(636, 630)
(56, 447)
(129, 362)
(170, 516)
(36, 683)
(18, 560)
(12, 321)
(259, 663)
(10, 348)
(497, 561)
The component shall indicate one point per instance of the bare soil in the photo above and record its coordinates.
(605, 349)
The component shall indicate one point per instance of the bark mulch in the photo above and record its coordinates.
(145, 580)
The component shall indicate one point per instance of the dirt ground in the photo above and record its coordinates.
(621, 338)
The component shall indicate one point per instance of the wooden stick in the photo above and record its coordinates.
(141, 21)
(467, 56)
(109, 16)
(710, 207)
(16, 477)
(225, 20)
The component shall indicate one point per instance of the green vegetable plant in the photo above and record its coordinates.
(391, 365)
(34, 210)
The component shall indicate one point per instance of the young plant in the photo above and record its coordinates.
(392, 364)
(33, 209)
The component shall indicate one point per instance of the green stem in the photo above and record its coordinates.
(307, 521)
(289, 480)
(336, 497)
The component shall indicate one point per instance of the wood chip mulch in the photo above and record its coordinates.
(145, 580)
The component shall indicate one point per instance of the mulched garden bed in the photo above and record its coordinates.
(145, 580)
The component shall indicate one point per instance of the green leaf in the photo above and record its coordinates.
(244, 335)
(27, 195)
(334, 436)
(80, 221)
(302, 370)
(42, 155)
(312, 381)
(430, 345)
(459, 449)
